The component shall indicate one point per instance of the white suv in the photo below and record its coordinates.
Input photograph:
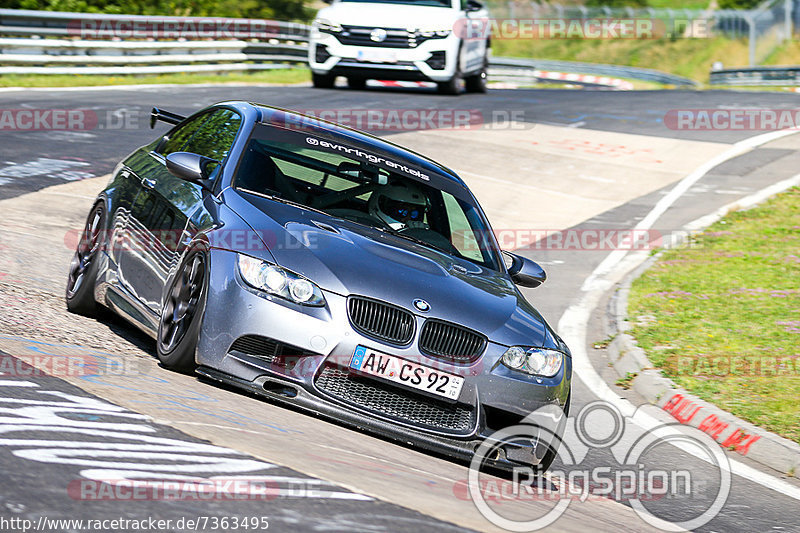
(407, 40)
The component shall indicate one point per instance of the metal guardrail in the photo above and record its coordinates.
(64, 24)
(757, 76)
(56, 43)
(595, 69)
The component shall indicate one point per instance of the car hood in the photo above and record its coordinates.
(390, 16)
(347, 258)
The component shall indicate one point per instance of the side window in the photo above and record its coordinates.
(211, 134)
(214, 138)
(179, 137)
(461, 234)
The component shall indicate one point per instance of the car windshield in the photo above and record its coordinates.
(432, 3)
(346, 182)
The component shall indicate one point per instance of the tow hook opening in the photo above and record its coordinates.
(280, 389)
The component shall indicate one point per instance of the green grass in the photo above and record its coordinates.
(691, 58)
(626, 381)
(678, 4)
(278, 76)
(721, 317)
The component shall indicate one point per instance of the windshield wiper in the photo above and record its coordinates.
(294, 204)
(402, 235)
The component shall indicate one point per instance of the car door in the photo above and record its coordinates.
(168, 211)
(476, 37)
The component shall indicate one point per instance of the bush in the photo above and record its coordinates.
(738, 4)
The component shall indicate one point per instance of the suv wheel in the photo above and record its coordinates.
(322, 81)
(356, 83)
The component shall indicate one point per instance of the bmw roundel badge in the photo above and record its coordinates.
(422, 305)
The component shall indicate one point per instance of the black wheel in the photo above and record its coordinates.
(356, 83)
(84, 265)
(181, 316)
(322, 81)
(451, 87)
(477, 82)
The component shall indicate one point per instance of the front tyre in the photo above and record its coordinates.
(322, 81)
(182, 314)
(356, 83)
(84, 266)
(451, 87)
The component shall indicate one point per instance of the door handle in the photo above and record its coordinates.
(148, 183)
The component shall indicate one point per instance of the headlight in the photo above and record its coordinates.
(430, 33)
(326, 26)
(536, 361)
(279, 281)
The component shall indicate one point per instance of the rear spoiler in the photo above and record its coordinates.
(164, 116)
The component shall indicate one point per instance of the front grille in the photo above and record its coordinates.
(390, 401)
(360, 36)
(381, 320)
(451, 342)
(254, 345)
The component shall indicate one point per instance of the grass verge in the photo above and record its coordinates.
(691, 58)
(277, 76)
(721, 317)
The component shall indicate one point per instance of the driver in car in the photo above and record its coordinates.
(400, 206)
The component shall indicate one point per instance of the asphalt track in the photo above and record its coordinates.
(377, 486)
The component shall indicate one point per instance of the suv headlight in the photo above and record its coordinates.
(278, 281)
(434, 33)
(326, 26)
(536, 361)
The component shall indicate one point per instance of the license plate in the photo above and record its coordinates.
(377, 56)
(406, 373)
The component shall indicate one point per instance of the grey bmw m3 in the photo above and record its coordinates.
(319, 266)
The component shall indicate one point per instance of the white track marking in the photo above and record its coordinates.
(573, 323)
(679, 190)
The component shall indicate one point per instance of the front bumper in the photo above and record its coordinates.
(321, 340)
(406, 64)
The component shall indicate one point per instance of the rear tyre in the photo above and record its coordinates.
(357, 83)
(322, 81)
(84, 266)
(182, 314)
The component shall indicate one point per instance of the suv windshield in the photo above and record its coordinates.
(348, 183)
(433, 3)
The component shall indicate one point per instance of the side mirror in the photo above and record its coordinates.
(524, 272)
(190, 167)
(473, 5)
